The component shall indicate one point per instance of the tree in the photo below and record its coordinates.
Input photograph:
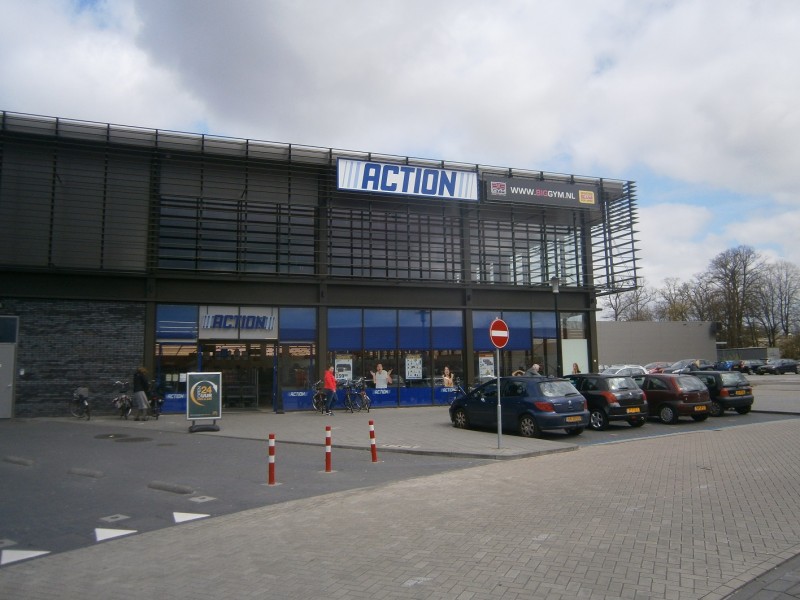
(674, 301)
(734, 275)
(636, 305)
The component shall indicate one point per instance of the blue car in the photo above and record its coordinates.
(530, 406)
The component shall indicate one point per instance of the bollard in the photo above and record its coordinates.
(271, 459)
(327, 448)
(372, 441)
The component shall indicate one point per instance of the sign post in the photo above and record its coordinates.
(498, 333)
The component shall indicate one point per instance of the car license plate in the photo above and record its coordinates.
(635, 409)
(740, 392)
(574, 419)
(700, 408)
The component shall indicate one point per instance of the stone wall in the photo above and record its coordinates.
(66, 344)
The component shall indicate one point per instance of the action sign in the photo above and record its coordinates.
(498, 333)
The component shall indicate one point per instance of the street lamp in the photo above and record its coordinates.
(554, 284)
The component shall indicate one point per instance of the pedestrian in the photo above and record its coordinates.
(381, 378)
(141, 387)
(575, 369)
(330, 390)
(533, 371)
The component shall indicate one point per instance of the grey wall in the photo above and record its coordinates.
(642, 342)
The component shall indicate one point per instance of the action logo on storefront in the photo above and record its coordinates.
(409, 180)
(534, 191)
(237, 323)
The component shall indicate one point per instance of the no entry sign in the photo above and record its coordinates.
(498, 333)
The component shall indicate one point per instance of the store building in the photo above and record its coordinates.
(122, 246)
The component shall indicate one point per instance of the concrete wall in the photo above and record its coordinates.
(642, 342)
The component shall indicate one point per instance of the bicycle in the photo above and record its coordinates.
(318, 400)
(360, 388)
(79, 406)
(122, 402)
(352, 399)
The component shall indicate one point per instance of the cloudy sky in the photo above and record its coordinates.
(698, 101)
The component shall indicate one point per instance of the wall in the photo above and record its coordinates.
(65, 344)
(642, 342)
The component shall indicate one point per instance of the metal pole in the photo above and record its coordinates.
(499, 408)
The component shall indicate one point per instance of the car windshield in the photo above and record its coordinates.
(733, 378)
(690, 383)
(621, 383)
(556, 389)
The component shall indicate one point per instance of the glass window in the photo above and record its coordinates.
(448, 329)
(415, 329)
(298, 324)
(344, 328)
(176, 322)
(380, 329)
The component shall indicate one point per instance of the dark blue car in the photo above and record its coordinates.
(530, 405)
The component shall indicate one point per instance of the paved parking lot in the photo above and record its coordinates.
(698, 514)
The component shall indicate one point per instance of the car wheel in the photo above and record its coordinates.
(460, 419)
(668, 415)
(598, 420)
(575, 431)
(528, 427)
(743, 410)
(638, 422)
(699, 418)
(716, 409)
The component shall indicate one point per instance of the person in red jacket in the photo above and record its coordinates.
(330, 390)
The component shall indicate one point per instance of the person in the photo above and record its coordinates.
(575, 368)
(141, 386)
(533, 371)
(381, 378)
(447, 377)
(330, 390)
(518, 372)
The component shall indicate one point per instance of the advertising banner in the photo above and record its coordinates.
(550, 193)
(409, 180)
(203, 396)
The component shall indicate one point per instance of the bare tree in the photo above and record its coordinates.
(636, 305)
(674, 301)
(734, 274)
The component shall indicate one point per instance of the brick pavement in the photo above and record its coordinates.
(694, 515)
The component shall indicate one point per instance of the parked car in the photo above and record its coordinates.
(729, 390)
(611, 398)
(749, 366)
(673, 395)
(778, 366)
(530, 405)
(690, 364)
(625, 370)
(656, 367)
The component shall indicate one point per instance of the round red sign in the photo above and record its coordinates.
(498, 333)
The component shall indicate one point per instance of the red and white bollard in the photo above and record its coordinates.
(327, 448)
(373, 447)
(271, 473)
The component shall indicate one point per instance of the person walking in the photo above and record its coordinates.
(330, 390)
(533, 371)
(141, 387)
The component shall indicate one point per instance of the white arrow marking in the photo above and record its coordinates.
(107, 534)
(183, 517)
(11, 556)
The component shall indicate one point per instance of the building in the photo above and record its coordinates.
(643, 342)
(124, 246)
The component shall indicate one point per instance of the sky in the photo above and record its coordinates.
(697, 101)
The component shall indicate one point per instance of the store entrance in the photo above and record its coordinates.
(248, 372)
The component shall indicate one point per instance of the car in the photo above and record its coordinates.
(777, 366)
(656, 367)
(530, 406)
(625, 370)
(729, 390)
(674, 395)
(690, 364)
(749, 366)
(611, 398)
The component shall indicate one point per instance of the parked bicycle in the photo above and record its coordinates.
(156, 401)
(79, 406)
(355, 395)
(318, 400)
(122, 401)
(360, 390)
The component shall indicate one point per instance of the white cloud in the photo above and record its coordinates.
(699, 95)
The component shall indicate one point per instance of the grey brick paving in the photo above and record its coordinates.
(690, 516)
